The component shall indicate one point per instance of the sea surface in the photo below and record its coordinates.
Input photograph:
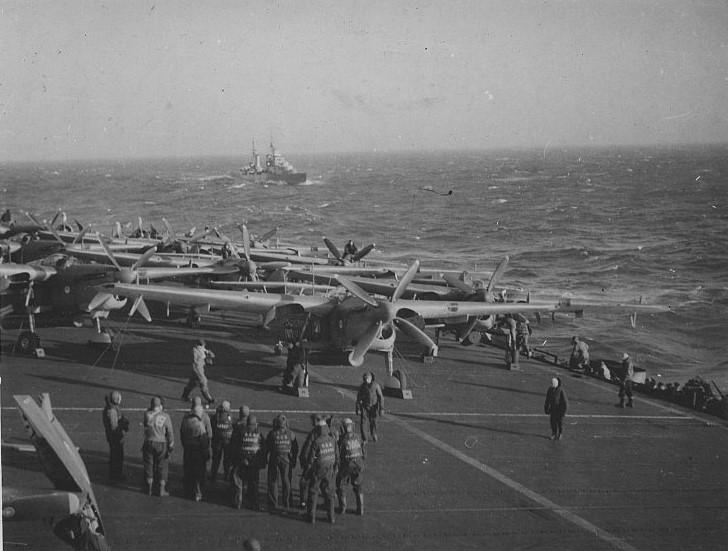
(608, 224)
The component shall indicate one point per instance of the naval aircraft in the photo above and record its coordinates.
(357, 323)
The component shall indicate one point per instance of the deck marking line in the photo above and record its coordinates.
(614, 541)
(544, 502)
(412, 413)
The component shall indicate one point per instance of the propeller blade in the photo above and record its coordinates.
(140, 305)
(53, 231)
(79, 237)
(417, 334)
(454, 281)
(143, 259)
(363, 252)
(34, 219)
(499, 271)
(406, 279)
(332, 248)
(55, 219)
(356, 356)
(355, 290)
(110, 254)
(170, 232)
(99, 299)
(201, 234)
(266, 236)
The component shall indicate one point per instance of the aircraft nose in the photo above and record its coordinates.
(125, 275)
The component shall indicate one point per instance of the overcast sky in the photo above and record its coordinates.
(159, 78)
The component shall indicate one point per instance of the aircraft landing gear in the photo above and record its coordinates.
(28, 342)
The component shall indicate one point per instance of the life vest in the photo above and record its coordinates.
(352, 447)
(325, 451)
(281, 442)
(250, 445)
(223, 427)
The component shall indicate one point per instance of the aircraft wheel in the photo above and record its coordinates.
(28, 342)
(474, 337)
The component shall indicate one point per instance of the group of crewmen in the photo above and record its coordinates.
(333, 454)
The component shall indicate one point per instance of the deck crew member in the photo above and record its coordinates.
(157, 448)
(116, 426)
(555, 406)
(352, 454)
(249, 459)
(579, 354)
(304, 480)
(282, 448)
(201, 357)
(320, 465)
(625, 383)
(523, 332)
(350, 250)
(369, 405)
(222, 433)
(196, 443)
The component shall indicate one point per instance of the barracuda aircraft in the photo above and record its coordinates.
(357, 323)
(62, 285)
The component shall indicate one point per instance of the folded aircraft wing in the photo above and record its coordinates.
(259, 303)
(432, 309)
(437, 309)
(57, 453)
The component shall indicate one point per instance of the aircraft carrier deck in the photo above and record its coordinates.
(466, 464)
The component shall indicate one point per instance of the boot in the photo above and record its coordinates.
(629, 403)
(342, 501)
(163, 489)
(330, 510)
(312, 510)
(360, 504)
(149, 485)
(621, 402)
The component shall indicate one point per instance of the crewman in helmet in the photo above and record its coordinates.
(222, 433)
(369, 405)
(249, 459)
(195, 436)
(350, 250)
(115, 426)
(321, 464)
(158, 446)
(282, 448)
(352, 454)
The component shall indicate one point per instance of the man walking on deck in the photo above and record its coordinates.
(369, 405)
(201, 357)
(555, 406)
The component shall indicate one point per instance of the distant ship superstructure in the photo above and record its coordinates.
(277, 169)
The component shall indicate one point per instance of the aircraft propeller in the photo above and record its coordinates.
(355, 258)
(386, 311)
(487, 295)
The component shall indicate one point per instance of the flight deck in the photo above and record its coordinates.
(465, 464)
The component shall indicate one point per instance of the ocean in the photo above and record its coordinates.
(612, 224)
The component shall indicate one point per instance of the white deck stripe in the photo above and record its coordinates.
(407, 413)
(544, 502)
